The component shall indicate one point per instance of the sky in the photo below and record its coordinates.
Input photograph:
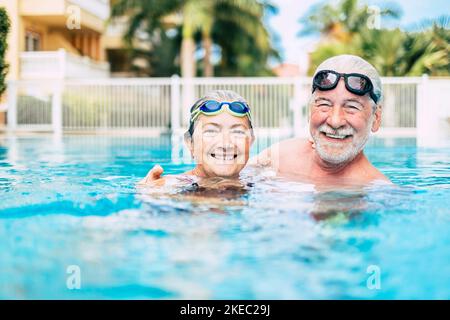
(294, 48)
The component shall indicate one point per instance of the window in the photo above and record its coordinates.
(32, 41)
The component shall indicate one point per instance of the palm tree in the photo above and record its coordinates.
(148, 21)
(384, 49)
(395, 52)
(434, 42)
(204, 16)
(244, 41)
(198, 17)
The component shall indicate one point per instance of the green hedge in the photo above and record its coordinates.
(4, 29)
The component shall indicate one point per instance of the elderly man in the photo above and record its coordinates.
(345, 108)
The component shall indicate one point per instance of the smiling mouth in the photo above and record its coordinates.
(336, 136)
(226, 157)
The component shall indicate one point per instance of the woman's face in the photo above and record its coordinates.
(221, 144)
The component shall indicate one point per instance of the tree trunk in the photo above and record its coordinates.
(208, 70)
(188, 67)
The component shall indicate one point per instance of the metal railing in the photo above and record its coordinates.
(160, 105)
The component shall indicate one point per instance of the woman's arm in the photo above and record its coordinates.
(263, 159)
(153, 177)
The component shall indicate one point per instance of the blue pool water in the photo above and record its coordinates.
(72, 202)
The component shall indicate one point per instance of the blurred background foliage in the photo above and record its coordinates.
(345, 27)
(198, 37)
(230, 37)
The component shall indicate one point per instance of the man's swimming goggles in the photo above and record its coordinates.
(212, 107)
(356, 83)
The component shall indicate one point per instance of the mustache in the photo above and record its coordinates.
(325, 128)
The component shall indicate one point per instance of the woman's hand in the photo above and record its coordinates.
(153, 176)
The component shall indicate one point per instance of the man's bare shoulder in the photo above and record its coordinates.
(377, 175)
(271, 156)
(294, 146)
(373, 174)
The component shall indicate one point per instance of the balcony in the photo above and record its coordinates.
(60, 64)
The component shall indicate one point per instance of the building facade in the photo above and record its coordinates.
(57, 38)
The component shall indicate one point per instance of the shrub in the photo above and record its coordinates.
(4, 29)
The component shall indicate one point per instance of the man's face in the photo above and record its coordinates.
(341, 122)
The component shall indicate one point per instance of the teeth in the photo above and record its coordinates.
(224, 156)
(334, 136)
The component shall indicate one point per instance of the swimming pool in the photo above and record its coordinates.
(72, 202)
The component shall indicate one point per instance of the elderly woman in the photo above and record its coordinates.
(219, 138)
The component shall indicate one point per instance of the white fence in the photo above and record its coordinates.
(159, 105)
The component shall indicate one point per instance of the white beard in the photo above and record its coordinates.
(345, 155)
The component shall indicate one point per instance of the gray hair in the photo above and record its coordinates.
(347, 63)
(218, 95)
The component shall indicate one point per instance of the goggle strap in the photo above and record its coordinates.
(347, 85)
(198, 111)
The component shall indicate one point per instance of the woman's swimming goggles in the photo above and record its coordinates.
(213, 107)
(356, 83)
